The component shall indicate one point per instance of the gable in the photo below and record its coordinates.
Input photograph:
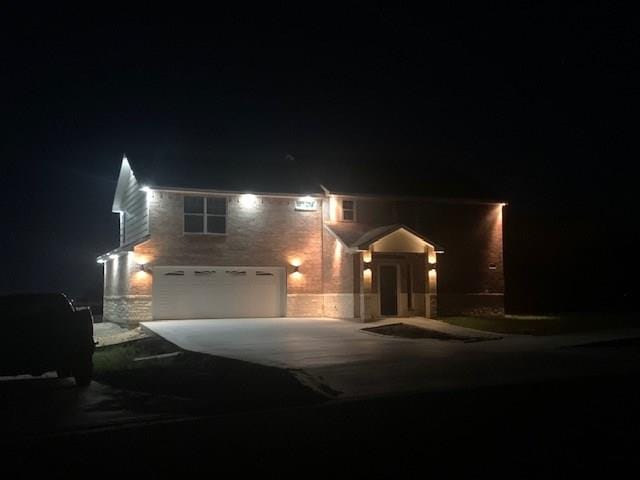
(400, 240)
(131, 203)
(126, 179)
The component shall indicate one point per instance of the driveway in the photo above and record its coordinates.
(339, 355)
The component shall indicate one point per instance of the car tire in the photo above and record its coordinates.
(83, 374)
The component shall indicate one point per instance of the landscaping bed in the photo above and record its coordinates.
(404, 330)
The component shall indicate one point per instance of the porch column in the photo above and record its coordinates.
(431, 282)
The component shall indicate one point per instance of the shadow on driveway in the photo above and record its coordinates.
(139, 382)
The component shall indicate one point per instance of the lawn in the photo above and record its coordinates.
(547, 324)
(204, 383)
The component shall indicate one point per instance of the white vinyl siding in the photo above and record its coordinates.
(134, 224)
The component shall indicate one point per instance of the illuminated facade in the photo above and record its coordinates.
(195, 253)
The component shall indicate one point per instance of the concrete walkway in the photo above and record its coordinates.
(340, 355)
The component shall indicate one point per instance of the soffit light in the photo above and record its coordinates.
(248, 200)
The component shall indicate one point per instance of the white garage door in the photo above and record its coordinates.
(218, 292)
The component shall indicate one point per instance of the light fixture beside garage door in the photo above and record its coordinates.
(295, 267)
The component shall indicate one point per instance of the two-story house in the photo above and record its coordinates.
(199, 253)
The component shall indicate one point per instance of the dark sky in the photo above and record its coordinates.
(534, 105)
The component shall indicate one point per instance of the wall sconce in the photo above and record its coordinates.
(143, 267)
(295, 263)
(431, 266)
(366, 256)
(366, 277)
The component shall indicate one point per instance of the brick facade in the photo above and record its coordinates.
(330, 281)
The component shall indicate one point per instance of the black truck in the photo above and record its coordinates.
(44, 332)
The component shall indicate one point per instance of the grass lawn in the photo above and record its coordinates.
(202, 382)
(547, 324)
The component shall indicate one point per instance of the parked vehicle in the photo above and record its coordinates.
(44, 332)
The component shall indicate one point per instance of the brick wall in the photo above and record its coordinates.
(338, 278)
(272, 233)
(471, 235)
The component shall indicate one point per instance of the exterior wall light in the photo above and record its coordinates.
(366, 256)
(431, 266)
(143, 267)
(295, 267)
(248, 200)
(146, 189)
(367, 278)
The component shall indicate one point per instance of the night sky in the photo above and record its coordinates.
(535, 106)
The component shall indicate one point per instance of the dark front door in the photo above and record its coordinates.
(388, 290)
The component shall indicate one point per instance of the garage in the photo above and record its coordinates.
(218, 292)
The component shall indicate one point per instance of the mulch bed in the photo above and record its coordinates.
(404, 330)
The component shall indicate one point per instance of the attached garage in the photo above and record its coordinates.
(218, 292)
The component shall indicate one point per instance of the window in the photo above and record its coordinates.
(205, 215)
(348, 210)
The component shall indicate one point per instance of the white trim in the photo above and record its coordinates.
(231, 193)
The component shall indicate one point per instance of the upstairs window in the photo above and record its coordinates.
(205, 215)
(348, 210)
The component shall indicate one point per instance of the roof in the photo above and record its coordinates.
(361, 237)
(288, 175)
(251, 177)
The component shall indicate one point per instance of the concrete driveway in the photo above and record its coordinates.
(339, 355)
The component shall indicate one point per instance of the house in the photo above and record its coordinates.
(200, 253)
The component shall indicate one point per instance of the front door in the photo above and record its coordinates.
(388, 290)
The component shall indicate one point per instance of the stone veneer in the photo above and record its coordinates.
(127, 309)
